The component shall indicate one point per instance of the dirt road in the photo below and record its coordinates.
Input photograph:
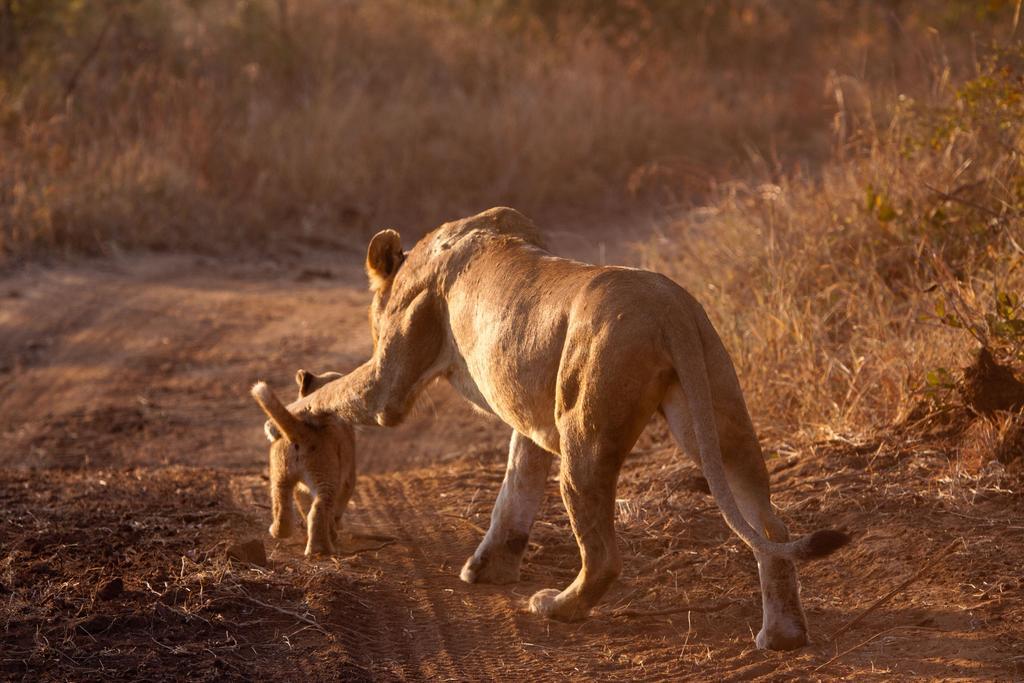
(132, 459)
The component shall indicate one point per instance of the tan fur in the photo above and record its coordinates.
(575, 358)
(314, 461)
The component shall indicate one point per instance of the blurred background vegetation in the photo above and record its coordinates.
(843, 178)
(205, 124)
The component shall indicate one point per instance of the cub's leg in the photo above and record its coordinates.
(320, 523)
(346, 487)
(282, 525)
(588, 480)
(303, 501)
(501, 551)
(784, 626)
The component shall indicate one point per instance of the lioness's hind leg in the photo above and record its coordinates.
(784, 626)
(500, 553)
(588, 489)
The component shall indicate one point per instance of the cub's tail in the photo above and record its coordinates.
(294, 429)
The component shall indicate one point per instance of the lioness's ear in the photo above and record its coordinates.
(383, 258)
(305, 381)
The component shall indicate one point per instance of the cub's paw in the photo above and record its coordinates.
(321, 548)
(490, 568)
(278, 530)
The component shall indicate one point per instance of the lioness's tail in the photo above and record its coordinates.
(294, 429)
(691, 369)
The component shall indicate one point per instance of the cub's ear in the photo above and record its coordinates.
(310, 381)
(383, 258)
(305, 381)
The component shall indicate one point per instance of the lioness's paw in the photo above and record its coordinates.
(543, 602)
(781, 639)
(470, 570)
(490, 569)
(552, 604)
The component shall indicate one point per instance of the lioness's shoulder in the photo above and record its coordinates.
(497, 221)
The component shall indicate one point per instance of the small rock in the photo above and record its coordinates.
(251, 551)
(110, 589)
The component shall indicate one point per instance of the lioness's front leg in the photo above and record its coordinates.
(500, 553)
(588, 489)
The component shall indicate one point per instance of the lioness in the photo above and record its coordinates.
(575, 358)
(315, 459)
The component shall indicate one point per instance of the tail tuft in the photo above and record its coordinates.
(283, 422)
(824, 542)
(261, 392)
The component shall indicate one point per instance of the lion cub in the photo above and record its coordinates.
(314, 460)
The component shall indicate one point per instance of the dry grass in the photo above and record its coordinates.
(831, 291)
(213, 124)
(881, 183)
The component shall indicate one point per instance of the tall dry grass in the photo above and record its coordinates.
(850, 298)
(878, 152)
(217, 123)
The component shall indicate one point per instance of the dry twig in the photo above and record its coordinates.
(466, 521)
(292, 613)
(69, 89)
(865, 642)
(634, 613)
(350, 553)
(932, 561)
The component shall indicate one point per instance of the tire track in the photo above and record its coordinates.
(446, 629)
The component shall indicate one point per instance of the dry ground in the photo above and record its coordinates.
(132, 458)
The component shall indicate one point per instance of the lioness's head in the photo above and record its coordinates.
(406, 322)
(404, 280)
(409, 312)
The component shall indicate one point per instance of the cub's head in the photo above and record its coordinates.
(307, 381)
